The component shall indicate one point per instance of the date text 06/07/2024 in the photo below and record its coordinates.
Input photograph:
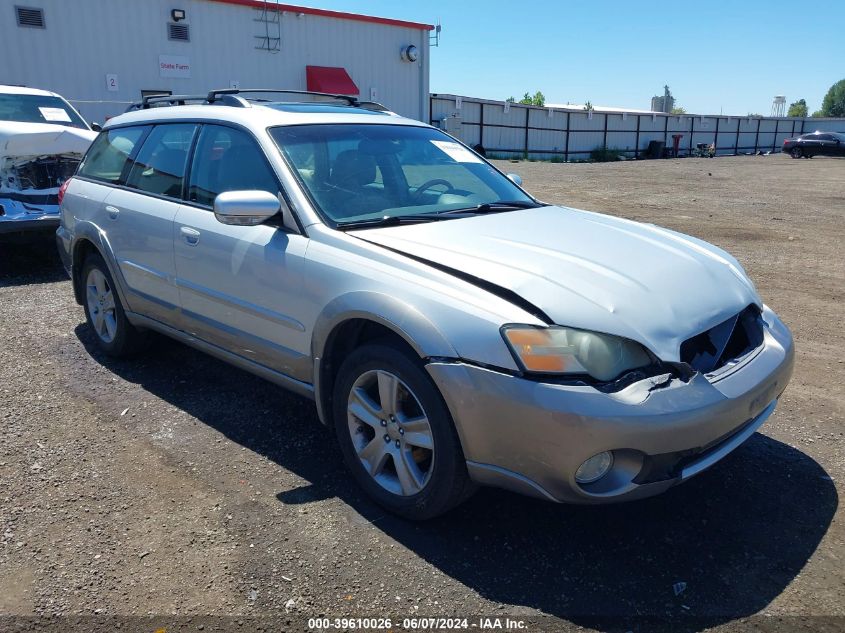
(417, 624)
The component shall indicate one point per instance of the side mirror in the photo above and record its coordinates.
(245, 208)
(516, 178)
(96, 127)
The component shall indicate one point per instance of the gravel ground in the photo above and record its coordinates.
(175, 485)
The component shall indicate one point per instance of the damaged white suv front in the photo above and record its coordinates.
(42, 140)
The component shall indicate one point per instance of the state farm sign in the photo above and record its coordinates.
(174, 66)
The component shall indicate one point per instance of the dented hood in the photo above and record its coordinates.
(19, 139)
(589, 271)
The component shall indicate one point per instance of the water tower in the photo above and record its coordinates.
(779, 106)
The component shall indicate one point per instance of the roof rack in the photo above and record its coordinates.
(373, 105)
(148, 100)
(231, 97)
(215, 95)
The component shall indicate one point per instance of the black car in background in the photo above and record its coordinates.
(815, 144)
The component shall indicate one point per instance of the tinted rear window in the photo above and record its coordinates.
(160, 165)
(109, 154)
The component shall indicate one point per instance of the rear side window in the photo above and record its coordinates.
(160, 165)
(227, 159)
(109, 154)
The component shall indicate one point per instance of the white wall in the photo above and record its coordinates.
(86, 39)
(572, 134)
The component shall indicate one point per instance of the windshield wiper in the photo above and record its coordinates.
(411, 218)
(390, 220)
(494, 207)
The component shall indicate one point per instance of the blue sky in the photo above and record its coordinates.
(729, 57)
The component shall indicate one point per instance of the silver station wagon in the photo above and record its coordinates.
(453, 329)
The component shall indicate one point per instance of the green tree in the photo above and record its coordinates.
(833, 103)
(678, 110)
(817, 114)
(539, 99)
(799, 108)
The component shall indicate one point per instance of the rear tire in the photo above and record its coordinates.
(396, 434)
(796, 152)
(113, 332)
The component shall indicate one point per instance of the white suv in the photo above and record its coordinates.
(454, 330)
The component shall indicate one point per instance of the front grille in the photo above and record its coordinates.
(731, 339)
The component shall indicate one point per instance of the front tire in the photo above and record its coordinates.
(113, 332)
(396, 434)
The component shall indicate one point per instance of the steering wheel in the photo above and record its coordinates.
(428, 184)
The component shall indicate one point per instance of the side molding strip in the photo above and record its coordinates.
(301, 388)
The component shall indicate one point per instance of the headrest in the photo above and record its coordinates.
(352, 168)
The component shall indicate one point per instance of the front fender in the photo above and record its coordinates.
(403, 319)
(399, 317)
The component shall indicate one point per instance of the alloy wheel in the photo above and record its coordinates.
(390, 432)
(101, 305)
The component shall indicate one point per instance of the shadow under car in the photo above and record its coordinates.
(718, 548)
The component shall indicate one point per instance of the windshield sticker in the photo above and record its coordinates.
(55, 114)
(456, 152)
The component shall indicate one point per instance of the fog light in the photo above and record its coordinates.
(594, 468)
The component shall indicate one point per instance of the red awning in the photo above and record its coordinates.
(330, 79)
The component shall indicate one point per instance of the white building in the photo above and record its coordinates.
(103, 55)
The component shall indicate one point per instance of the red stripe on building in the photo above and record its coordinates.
(341, 15)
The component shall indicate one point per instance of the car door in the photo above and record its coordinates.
(810, 144)
(826, 146)
(103, 168)
(240, 287)
(140, 221)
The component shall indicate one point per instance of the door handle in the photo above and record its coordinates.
(112, 211)
(191, 236)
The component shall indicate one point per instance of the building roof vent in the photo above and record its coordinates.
(27, 16)
(179, 32)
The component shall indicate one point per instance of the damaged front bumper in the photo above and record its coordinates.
(35, 160)
(29, 192)
(531, 437)
(21, 213)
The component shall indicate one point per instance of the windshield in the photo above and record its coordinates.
(358, 172)
(39, 109)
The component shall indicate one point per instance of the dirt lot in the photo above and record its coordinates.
(175, 485)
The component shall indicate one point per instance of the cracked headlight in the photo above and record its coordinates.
(563, 350)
